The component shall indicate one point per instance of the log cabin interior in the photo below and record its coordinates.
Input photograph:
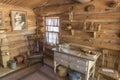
(59, 39)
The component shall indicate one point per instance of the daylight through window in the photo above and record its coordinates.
(52, 30)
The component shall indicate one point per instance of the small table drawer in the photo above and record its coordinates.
(64, 63)
(77, 61)
(61, 61)
(57, 54)
(60, 55)
(78, 68)
(57, 59)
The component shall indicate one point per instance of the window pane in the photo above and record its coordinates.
(56, 29)
(52, 41)
(52, 25)
(52, 37)
(48, 21)
(50, 28)
(55, 21)
(55, 36)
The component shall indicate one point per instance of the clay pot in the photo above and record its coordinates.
(19, 59)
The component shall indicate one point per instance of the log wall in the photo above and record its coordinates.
(17, 39)
(108, 37)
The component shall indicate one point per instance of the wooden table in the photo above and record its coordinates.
(75, 60)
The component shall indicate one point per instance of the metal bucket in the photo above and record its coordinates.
(73, 75)
(12, 64)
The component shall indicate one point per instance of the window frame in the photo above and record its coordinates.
(47, 31)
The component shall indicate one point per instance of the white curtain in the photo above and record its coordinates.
(52, 29)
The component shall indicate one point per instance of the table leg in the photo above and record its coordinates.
(98, 77)
(87, 73)
(80, 78)
(87, 76)
(55, 65)
(93, 75)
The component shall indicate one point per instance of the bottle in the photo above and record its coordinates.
(60, 47)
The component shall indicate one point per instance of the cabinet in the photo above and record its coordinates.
(75, 62)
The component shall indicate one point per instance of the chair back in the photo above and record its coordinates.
(110, 59)
(33, 44)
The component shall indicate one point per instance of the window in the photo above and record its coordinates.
(52, 30)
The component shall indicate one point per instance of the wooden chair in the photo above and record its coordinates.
(34, 55)
(112, 76)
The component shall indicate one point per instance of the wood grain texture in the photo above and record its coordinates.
(17, 39)
(109, 18)
(33, 4)
(23, 3)
(107, 38)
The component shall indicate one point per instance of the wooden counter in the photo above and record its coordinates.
(75, 60)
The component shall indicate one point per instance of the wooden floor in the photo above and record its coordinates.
(5, 71)
(36, 72)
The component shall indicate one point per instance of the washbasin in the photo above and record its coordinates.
(70, 51)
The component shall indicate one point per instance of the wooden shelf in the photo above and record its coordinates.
(93, 32)
(89, 31)
(88, 26)
(3, 29)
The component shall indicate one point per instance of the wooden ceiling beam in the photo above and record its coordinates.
(3, 1)
(44, 4)
(56, 5)
(36, 3)
(14, 2)
(7, 2)
(20, 2)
